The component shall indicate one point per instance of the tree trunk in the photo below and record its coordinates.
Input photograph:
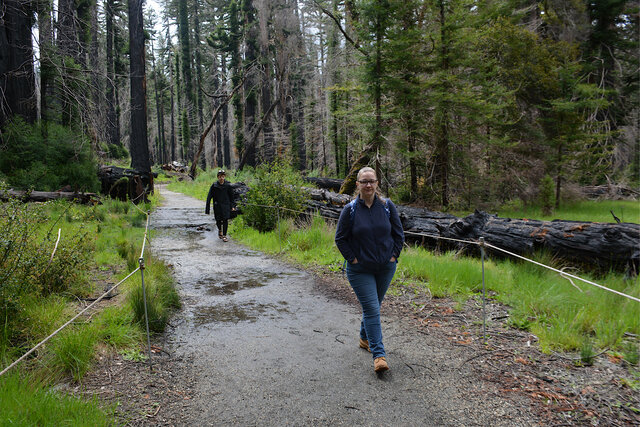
(47, 70)
(113, 134)
(139, 141)
(47, 196)
(17, 78)
(226, 140)
(606, 246)
(250, 95)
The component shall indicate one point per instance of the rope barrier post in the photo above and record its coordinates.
(484, 296)
(278, 224)
(146, 316)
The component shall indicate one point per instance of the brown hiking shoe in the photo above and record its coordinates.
(380, 364)
(365, 344)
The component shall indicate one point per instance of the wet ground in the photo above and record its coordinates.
(259, 342)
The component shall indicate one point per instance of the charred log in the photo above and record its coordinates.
(46, 196)
(602, 245)
(125, 184)
(326, 183)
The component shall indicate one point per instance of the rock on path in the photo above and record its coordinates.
(264, 345)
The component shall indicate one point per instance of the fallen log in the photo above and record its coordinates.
(46, 196)
(603, 245)
(325, 183)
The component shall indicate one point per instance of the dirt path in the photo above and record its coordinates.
(264, 345)
(259, 342)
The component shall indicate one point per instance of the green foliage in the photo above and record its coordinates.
(631, 353)
(73, 350)
(546, 195)
(28, 159)
(273, 185)
(24, 401)
(117, 328)
(161, 297)
(34, 303)
(27, 268)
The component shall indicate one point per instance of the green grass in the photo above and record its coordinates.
(110, 236)
(591, 211)
(26, 402)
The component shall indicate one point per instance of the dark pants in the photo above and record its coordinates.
(222, 225)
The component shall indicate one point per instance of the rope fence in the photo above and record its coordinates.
(481, 243)
(140, 268)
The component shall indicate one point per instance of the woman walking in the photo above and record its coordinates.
(222, 195)
(370, 238)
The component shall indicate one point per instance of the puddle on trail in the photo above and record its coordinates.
(230, 288)
(234, 313)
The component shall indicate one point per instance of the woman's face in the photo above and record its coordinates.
(367, 184)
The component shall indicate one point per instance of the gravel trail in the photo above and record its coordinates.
(260, 342)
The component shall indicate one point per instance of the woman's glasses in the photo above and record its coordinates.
(368, 181)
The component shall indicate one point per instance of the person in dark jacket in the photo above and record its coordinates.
(222, 195)
(370, 238)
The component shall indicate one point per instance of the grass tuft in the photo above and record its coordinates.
(26, 402)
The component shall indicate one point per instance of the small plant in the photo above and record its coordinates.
(133, 354)
(161, 298)
(546, 195)
(631, 354)
(587, 353)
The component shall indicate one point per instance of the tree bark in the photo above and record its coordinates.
(139, 144)
(17, 78)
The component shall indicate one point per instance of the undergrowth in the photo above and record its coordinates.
(40, 287)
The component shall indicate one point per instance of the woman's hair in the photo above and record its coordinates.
(360, 172)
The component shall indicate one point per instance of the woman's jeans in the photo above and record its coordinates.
(370, 285)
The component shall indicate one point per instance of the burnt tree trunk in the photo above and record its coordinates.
(139, 145)
(17, 78)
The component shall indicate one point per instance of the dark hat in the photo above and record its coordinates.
(221, 172)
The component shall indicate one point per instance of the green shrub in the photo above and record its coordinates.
(274, 185)
(63, 157)
(117, 328)
(27, 268)
(547, 195)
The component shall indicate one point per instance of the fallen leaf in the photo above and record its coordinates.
(587, 390)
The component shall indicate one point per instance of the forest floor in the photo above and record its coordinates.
(259, 341)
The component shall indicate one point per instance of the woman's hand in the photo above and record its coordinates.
(393, 259)
(355, 261)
